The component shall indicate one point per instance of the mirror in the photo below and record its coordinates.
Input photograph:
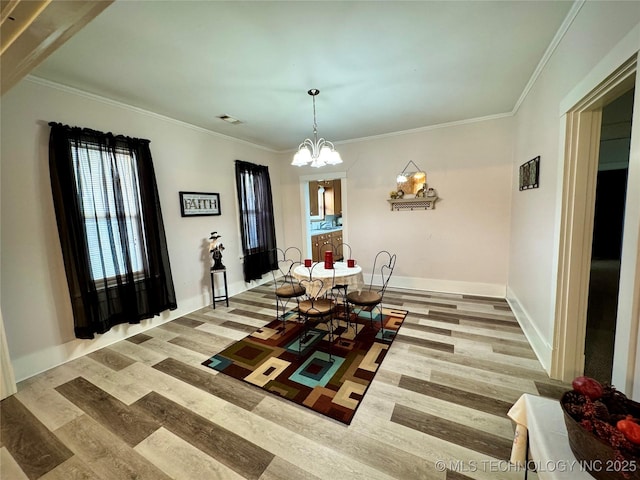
(411, 182)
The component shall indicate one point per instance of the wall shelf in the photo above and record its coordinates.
(420, 203)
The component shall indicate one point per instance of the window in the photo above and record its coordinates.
(257, 226)
(114, 247)
(249, 211)
(111, 229)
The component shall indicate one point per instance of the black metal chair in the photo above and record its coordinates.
(342, 250)
(287, 288)
(371, 296)
(318, 305)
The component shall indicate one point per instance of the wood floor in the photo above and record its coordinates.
(146, 408)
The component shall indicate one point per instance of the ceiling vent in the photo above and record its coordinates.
(228, 119)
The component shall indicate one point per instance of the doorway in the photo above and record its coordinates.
(324, 206)
(581, 130)
(608, 227)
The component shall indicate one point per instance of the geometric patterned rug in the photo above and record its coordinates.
(306, 365)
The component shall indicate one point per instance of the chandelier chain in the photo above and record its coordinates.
(315, 124)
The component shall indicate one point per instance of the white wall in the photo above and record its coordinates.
(597, 28)
(35, 299)
(462, 245)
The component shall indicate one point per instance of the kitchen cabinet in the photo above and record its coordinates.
(337, 197)
(319, 246)
(314, 210)
(320, 243)
(329, 203)
(332, 196)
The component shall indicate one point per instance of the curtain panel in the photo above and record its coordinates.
(110, 227)
(257, 226)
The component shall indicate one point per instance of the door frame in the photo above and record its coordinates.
(7, 379)
(582, 124)
(304, 202)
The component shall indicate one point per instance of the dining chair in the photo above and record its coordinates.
(326, 247)
(371, 296)
(287, 288)
(316, 307)
(343, 250)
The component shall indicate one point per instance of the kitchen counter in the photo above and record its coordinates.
(320, 231)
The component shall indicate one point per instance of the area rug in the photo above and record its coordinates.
(305, 364)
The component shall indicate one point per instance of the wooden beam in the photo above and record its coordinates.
(32, 30)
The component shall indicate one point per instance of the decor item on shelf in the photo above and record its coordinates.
(317, 152)
(530, 174)
(422, 192)
(216, 248)
(431, 192)
(411, 181)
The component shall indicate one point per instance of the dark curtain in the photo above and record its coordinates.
(257, 226)
(110, 227)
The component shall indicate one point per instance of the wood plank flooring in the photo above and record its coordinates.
(146, 408)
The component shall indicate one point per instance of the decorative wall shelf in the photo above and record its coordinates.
(420, 203)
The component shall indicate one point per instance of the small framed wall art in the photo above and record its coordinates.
(197, 204)
(530, 174)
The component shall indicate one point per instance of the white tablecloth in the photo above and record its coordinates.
(344, 275)
(548, 440)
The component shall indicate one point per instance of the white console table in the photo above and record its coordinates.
(548, 440)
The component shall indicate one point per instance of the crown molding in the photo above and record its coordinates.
(116, 103)
(568, 20)
(455, 123)
(427, 128)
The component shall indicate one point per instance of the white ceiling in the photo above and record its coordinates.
(381, 66)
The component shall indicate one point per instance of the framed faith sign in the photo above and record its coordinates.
(197, 204)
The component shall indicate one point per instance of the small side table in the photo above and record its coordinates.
(225, 296)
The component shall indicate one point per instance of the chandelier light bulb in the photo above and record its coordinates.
(334, 158)
(325, 154)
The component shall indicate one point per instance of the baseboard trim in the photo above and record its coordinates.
(540, 346)
(32, 364)
(449, 286)
(37, 362)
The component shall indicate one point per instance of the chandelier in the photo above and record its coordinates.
(317, 152)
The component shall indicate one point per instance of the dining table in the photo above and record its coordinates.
(341, 275)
